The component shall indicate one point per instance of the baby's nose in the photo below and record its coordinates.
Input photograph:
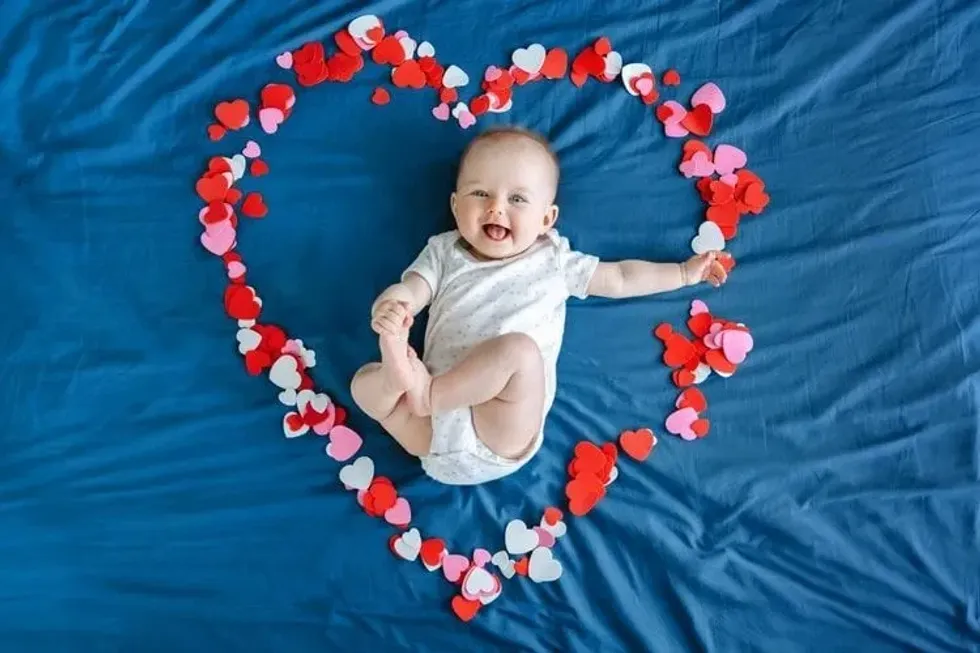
(495, 206)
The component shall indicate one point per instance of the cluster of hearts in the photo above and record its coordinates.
(718, 345)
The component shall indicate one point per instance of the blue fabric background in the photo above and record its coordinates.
(149, 502)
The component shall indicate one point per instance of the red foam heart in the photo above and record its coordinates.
(312, 73)
(376, 33)
(216, 132)
(409, 75)
(450, 95)
(692, 398)
(464, 608)
(637, 444)
(258, 168)
(682, 377)
(521, 566)
(692, 146)
(388, 51)
(552, 515)
(723, 214)
(240, 303)
(699, 324)
(671, 78)
(380, 96)
(755, 198)
(254, 206)
(278, 96)
(589, 459)
(727, 261)
(700, 427)
(578, 78)
(699, 120)
(346, 43)
(583, 493)
(212, 189)
(233, 115)
(308, 52)
(716, 359)
(384, 496)
(678, 350)
(256, 361)
(217, 212)
(664, 113)
(589, 62)
(602, 46)
(232, 197)
(555, 64)
(432, 551)
(343, 66)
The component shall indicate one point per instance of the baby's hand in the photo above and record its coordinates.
(391, 318)
(705, 267)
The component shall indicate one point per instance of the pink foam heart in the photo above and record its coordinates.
(236, 269)
(731, 180)
(698, 307)
(698, 165)
(735, 344)
(203, 212)
(644, 86)
(492, 74)
(728, 159)
(545, 537)
(481, 557)
(360, 495)
(711, 95)
(252, 150)
(441, 112)
(453, 566)
(679, 423)
(400, 34)
(285, 60)
(399, 514)
(466, 119)
(219, 238)
(270, 118)
(326, 426)
(344, 443)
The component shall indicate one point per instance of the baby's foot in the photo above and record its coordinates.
(396, 363)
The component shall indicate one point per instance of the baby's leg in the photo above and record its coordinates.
(379, 389)
(503, 380)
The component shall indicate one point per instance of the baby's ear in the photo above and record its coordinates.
(551, 217)
(452, 203)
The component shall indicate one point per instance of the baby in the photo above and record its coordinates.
(473, 409)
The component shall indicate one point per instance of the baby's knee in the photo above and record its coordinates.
(522, 348)
(356, 383)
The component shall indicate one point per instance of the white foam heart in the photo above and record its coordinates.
(460, 108)
(503, 563)
(709, 239)
(614, 65)
(358, 28)
(479, 582)
(246, 324)
(238, 166)
(285, 373)
(518, 538)
(287, 397)
(630, 72)
(487, 600)
(359, 474)
(497, 109)
(557, 530)
(408, 545)
(613, 475)
(248, 340)
(455, 77)
(426, 49)
(408, 45)
(529, 59)
(543, 568)
(701, 373)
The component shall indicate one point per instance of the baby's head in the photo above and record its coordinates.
(505, 191)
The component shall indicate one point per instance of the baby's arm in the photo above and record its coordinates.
(638, 278)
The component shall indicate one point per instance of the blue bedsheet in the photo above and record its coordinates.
(148, 501)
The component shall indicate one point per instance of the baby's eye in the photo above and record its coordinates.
(479, 193)
(518, 199)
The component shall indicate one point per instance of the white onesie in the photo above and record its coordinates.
(474, 301)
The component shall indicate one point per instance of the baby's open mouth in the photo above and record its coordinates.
(496, 232)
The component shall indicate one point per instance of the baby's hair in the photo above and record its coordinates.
(501, 132)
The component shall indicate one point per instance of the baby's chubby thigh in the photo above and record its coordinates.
(509, 424)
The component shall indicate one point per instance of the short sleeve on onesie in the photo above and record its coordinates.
(429, 263)
(577, 268)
